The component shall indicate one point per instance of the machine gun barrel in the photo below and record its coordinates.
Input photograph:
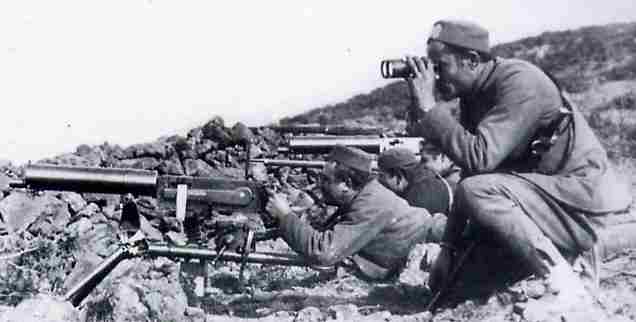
(290, 163)
(320, 144)
(326, 129)
(89, 179)
(201, 192)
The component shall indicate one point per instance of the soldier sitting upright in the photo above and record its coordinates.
(534, 172)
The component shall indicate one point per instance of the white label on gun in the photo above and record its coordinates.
(182, 199)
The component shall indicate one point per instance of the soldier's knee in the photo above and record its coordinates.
(474, 193)
(476, 187)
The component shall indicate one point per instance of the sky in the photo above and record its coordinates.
(130, 71)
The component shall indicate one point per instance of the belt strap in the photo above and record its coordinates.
(547, 137)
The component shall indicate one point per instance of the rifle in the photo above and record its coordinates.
(325, 129)
(450, 280)
(290, 163)
(190, 197)
(372, 144)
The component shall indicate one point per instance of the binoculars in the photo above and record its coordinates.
(397, 68)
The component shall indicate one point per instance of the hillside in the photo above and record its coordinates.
(597, 64)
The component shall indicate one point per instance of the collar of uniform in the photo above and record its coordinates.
(483, 77)
(370, 188)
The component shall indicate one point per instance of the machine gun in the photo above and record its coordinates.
(296, 129)
(138, 246)
(187, 197)
(305, 164)
(195, 196)
(320, 144)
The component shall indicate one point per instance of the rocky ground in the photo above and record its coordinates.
(51, 240)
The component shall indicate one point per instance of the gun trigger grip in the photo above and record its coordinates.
(182, 198)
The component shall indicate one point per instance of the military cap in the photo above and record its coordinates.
(397, 158)
(351, 157)
(461, 33)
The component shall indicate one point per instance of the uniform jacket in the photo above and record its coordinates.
(378, 226)
(511, 101)
(428, 190)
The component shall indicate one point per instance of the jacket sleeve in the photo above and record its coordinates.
(522, 98)
(331, 246)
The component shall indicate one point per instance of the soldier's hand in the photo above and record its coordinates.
(421, 84)
(440, 163)
(278, 206)
(441, 269)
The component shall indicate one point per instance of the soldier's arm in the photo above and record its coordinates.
(522, 100)
(331, 246)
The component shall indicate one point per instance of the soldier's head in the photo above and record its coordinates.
(395, 168)
(347, 171)
(458, 50)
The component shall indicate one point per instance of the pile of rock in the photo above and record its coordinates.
(137, 289)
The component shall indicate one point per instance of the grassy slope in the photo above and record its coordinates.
(596, 63)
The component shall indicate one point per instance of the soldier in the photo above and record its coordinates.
(534, 173)
(417, 182)
(375, 227)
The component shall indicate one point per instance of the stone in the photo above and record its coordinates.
(155, 150)
(4, 184)
(74, 200)
(171, 166)
(73, 160)
(196, 134)
(310, 314)
(200, 168)
(102, 199)
(258, 171)
(195, 314)
(256, 151)
(379, 316)
(89, 211)
(146, 163)
(216, 131)
(177, 238)
(419, 262)
(20, 210)
(346, 312)
(241, 133)
(205, 146)
(147, 207)
(83, 149)
(81, 227)
(138, 289)
(152, 233)
(42, 308)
